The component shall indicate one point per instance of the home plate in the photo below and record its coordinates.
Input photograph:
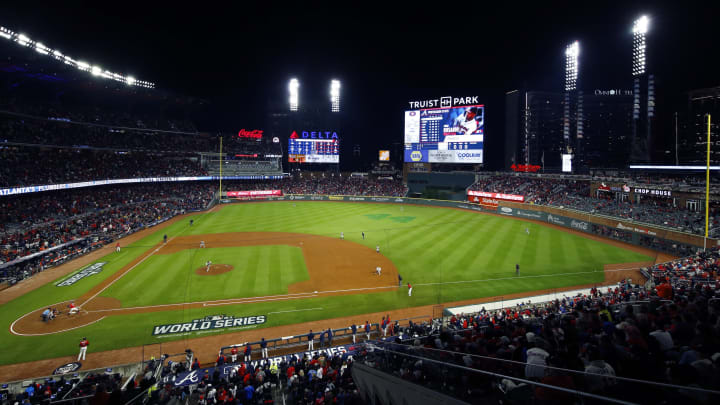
(314, 292)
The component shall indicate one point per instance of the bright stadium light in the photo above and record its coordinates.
(335, 96)
(571, 65)
(24, 40)
(130, 80)
(641, 25)
(293, 89)
(640, 28)
(40, 48)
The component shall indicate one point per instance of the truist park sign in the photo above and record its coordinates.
(445, 102)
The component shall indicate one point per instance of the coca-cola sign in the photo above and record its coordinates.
(254, 134)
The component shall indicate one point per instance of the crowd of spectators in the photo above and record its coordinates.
(89, 113)
(667, 334)
(575, 194)
(34, 166)
(320, 379)
(96, 216)
(103, 388)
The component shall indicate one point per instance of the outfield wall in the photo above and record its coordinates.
(653, 237)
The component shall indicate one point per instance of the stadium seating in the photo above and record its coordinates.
(575, 194)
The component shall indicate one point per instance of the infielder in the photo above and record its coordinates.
(342, 236)
(527, 231)
(202, 244)
(117, 247)
(409, 290)
(378, 271)
(83, 348)
(377, 248)
(363, 235)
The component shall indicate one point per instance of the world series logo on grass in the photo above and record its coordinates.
(86, 272)
(209, 323)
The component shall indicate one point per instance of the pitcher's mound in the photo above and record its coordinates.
(215, 269)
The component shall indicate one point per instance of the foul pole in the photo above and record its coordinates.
(221, 165)
(707, 186)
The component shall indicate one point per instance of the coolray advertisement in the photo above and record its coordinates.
(445, 135)
(254, 193)
(497, 196)
(314, 147)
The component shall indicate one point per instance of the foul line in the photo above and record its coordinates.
(296, 310)
(49, 333)
(535, 276)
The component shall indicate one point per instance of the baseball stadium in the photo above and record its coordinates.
(148, 257)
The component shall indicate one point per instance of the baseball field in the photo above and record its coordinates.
(283, 263)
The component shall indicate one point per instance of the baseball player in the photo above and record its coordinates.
(117, 247)
(409, 290)
(378, 271)
(165, 238)
(207, 266)
(248, 353)
(367, 329)
(527, 231)
(353, 328)
(202, 244)
(342, 236)
(310, 336)
(399, 280)
(363, 235)
(517, 269)
(263, 346)
(377, 248)
(466, 122)
(83, 348)
(73, 309)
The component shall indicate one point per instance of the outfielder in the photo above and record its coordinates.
(527, 231)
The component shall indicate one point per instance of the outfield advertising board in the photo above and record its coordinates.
(254, 193)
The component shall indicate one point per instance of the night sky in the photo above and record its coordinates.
(241, 58)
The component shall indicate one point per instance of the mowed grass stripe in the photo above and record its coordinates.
(557, 250)
(274, 272)
(462, 264)
(499, 262)
(488, 251)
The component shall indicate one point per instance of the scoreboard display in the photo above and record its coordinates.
(445, 134)
(301, 150)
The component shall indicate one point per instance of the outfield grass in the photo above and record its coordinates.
(447, 255)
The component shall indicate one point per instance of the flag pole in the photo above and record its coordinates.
(707, 186)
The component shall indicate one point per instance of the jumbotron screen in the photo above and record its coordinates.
(313, 147)
(445, 135)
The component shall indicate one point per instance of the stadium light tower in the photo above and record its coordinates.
(571, 65)
(643, 93)
(293, 89)
(640, 28)
(335, 96)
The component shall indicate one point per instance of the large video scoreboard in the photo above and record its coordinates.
(314, 147)
(445, 133)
